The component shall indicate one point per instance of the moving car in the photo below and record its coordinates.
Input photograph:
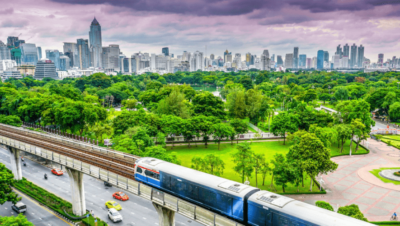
(121, 196)
(107, 184)
(57, 172)
(19, 207)
(113, 204)
(114, 215)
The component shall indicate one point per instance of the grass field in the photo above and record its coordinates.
(270, 148)
(375, 172)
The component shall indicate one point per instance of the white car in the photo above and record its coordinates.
(114, 215)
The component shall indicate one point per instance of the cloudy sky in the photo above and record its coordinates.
(240, 26)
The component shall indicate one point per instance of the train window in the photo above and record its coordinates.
(139, 170)
(152, 174)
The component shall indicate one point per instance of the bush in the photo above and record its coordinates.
(397, 174)
(352, 211)
(90, 221)
(324, 205)
(12, 120)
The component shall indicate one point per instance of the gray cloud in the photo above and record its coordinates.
(7, 11)
(14, 23)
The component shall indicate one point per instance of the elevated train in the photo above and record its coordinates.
(245, 204)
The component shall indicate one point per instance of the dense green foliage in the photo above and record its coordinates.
(6, 181)
(19, 220)
(324, 205)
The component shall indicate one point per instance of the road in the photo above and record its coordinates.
(136, 211)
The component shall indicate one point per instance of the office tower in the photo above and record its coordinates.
(71, 50)
(353, 56)
(110, 57)
(296, 57)
(266, 53)
(185, 56)
(64, 63)
(45, 69)
(121, 62)
(279, 61)
(308, 63)
(345, 62)
(39, 52)
(16, 55)
(29, 54)
(5, 53)
(314, 62)
(302, 60)
(8, 65)
(11, 41)
(273, 57)
(380, 59)
(264, 61)
(339, 51)
(253, 58)
(212, 57)
(320, 59)
(248, 59)
(95, 43)
(289, 60)
(165, 51)
(54, 56)
(346, 50)
(227, 56)
(84, 58)
(326, 56)
(360, 56)
(336, 61)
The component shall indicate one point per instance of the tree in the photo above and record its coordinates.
(171, 125)
(264, 170)
(174, 104)
(131, 103)
(326, 135)
(284, 172)
(207, 104)
(101, 129)
(239, 126)
(197, 163)
(160, 153)
(213, 165)
(6, 181)
(344, 133)
(236, 104)
(12, 120)
(389, 99)
(243, 160)
(283, 123)
(259, 161)
(188, 131)
(310, 95)
(19, 220)
(324, 205)
(256, 105)
(311, 156)
(125, 144)
(325, 97)
(352, 211)
(142, 139)
(394, 111)
(221, 131)
(246, 82)
(357, 128)
(341, 93)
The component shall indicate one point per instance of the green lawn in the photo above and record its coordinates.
(270, 148)
(375, 172)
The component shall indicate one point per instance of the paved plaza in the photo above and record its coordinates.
(352, 183)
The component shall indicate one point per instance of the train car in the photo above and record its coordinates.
(220, 195)
(266, 209)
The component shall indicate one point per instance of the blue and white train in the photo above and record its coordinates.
(245, 204)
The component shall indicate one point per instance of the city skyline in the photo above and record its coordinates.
(237, 26)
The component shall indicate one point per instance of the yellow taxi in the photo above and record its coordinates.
(113, 204)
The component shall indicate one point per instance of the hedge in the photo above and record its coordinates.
(90, 221)
(385, 222)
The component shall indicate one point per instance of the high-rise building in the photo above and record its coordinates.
(212, 57)
(289, 60)
(314, 62)
(295, 57)
(273, 57)
(54, 56)
(11, 41)
(248, 59)
(279, 61)
(110, 58)
(320, 59)
(227, 56)
(265, 61)
(45, 68)
(345, 62)
(326, 56)
(121, 62)
(353, 56)
(336, 61)
(360, 56)
(309, 63)
(380, 59)
(5, 53)
(16, 55)
(84, 58)
(165, 51)
(39, 52)
(95, 43)
(346, 51)
(64, 63)
(339, 51)
(29, 54)
(71, 50)
(302, 60)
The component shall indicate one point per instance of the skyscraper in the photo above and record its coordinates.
(227, 56)
(29, 54)
(64, 63)
(71, 50)
(39, 52)
(339, 51)
(11, 41)
(5, 53)
(83, 54)
(279, 61)
(309, 63)
(320, 59)
(212, 57)
(380, 59)
(54, 56)
(16, 55)
(248, 59)
(95, 43)
(265, 61)
(165, 51)
(346, 50)
(302, 60)
(110, 57)
(360, 56)
(295, 57)
(289, 60)
(326, 58)
(353, 56)
(45, 69)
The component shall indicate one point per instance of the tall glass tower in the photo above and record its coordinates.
(95, 43)
(320, 59)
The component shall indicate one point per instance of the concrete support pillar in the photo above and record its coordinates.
(77, 192)
(15, 158)
(166, 217)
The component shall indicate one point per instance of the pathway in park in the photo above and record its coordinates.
(352, 183)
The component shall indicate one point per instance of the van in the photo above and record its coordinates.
(19, 207)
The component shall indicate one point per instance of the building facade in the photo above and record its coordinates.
(29, 54)
(95, 43)
(320, 59)
(45, 69)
